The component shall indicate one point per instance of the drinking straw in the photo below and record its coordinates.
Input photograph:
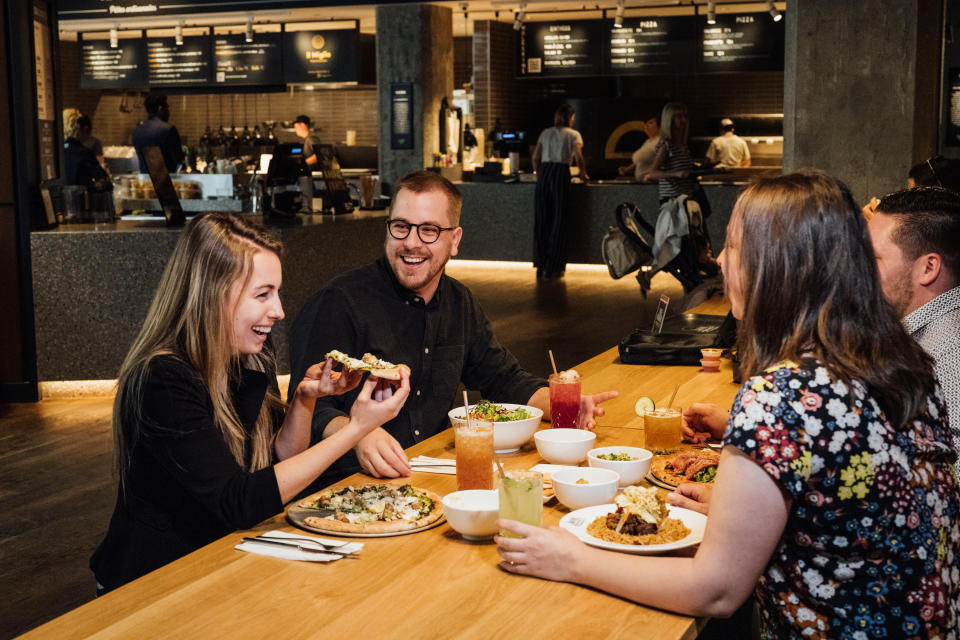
(552, 362)
(466, 407)
(674, 395)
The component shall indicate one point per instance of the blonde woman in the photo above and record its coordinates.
(204, 444)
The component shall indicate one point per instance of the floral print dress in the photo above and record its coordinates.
(871, 548)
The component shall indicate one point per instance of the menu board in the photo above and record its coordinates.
(562, 48)
(103, 67)
(171, 64)
(238, 62)
(653, 45)
(320, 56)
(742, 42)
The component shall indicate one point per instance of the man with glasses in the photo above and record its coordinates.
(404, 309)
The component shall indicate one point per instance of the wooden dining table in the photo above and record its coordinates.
(429, 584)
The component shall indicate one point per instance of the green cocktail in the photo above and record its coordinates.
(521, 499)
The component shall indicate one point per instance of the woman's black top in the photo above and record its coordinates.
(183, 488)
(81, 164)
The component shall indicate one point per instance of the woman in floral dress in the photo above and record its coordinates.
(835, 499)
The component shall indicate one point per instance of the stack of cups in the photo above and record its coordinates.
(711, 359)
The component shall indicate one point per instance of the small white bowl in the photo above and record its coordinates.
(600, 488)
(473, 514)
(564, 446)
(631, 471)
(507, 436)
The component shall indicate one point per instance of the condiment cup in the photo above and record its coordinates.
(564, 446)
(473, 513)
(711, 353)
(507, 436)
(708, 364)
(631, 471)
(600, 488)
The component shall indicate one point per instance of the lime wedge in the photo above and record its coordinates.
(643, 405)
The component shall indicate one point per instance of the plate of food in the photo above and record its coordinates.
(368, 511)
(689, 465)
(639, 521)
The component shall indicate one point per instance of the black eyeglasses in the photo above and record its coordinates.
(428, 233)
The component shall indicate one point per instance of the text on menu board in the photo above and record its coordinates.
(742, 42)
(320, 56)
(654, 45)
(562, 48)
(104, 67)
(238, 62)
(184, 64)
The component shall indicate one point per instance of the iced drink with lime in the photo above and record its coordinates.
(521, 499)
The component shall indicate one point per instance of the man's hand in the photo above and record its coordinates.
(381, 455)
(703, 418)
(693, 496)
(590, 408)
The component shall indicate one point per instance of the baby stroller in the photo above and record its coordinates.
(676, 243)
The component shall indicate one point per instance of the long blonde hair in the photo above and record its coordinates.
(189, 318)
(670, 110)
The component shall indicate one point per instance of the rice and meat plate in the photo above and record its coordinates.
(646, 522)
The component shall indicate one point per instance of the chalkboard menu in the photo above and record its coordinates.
(238, 62)
(653, 45)
(171, 64)
(562, 48)
(103, 67)
(742, 42)
(320, 56)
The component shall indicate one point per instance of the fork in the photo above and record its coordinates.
(294, 543)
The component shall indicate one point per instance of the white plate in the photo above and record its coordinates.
(576, 522)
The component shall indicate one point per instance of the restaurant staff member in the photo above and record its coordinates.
(404, 309)
(81, 166)
(642, 159)
(301, 126)
(729, 150)
(156, 131)
(90, 141)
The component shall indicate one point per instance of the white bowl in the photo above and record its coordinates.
(600, 488)
(564, 446)
(473, 514)
(507, 436)
(631, 471)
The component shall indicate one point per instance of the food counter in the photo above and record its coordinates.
(92, 283)
(430, 583)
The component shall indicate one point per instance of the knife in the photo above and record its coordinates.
(297, 545)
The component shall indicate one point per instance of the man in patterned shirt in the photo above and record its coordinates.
(916, 238)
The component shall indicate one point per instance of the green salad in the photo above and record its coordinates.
(490, 412)
(618, 457)
(707, 475)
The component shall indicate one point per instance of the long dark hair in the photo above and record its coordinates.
(810, 286)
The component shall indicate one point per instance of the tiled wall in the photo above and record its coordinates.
(116, 115)
(498, 92)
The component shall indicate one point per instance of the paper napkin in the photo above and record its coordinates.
(292, 553)
(426, 464)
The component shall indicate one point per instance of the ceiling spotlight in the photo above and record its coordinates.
(774, 12)
(519, 16)
(178, 33)
(618, 17)
(114, 37)
(711, 12)
(248, 33)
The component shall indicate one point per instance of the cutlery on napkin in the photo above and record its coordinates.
(292, 546)
(427, 464)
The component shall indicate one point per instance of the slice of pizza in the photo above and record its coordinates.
(377, 367)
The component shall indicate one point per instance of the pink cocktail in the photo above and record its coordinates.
(565, 399)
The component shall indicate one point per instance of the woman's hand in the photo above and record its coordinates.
(693, 496)
(681, 173)
(321, 380)
(547, 553)
(379, 401)
(703, 418)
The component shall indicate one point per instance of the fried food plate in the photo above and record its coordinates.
(576, 522)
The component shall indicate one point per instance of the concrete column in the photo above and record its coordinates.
(858, 101)
(414, 44)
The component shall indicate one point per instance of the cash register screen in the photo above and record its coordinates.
(286, 164)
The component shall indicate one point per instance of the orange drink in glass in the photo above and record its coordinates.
(474, 447)
(662, 431)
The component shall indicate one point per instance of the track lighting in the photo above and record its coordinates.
(618, 17)
(774, 12)
(519, 16)
(711, 12)
(114, 37)
(178, 33)
(248, 33)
